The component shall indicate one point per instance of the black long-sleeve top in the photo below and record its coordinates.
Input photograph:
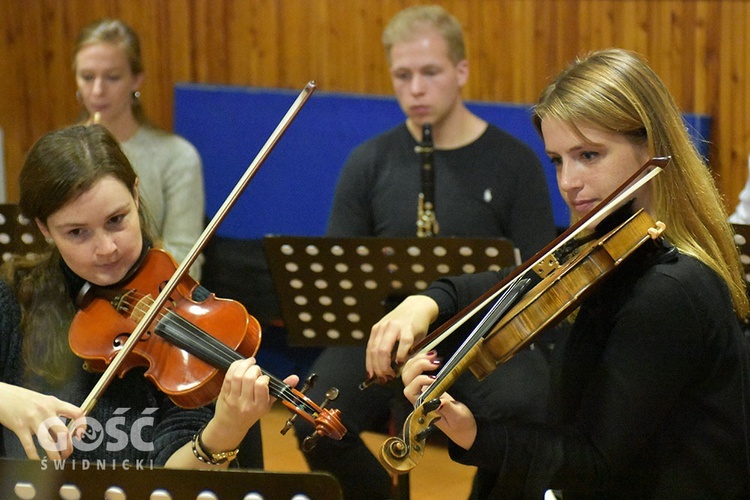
(649, 395)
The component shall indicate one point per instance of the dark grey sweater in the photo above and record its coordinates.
(162, 427)
(493, 187)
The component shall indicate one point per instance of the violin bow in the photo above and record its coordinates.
(543, 262)
(198, 247)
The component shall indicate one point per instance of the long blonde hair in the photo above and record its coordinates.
(616, 90)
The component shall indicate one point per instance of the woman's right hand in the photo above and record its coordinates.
(405, 325)
(27, 414)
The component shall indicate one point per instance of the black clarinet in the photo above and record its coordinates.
(427, 224)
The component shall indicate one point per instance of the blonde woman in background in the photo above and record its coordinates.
(109, 74)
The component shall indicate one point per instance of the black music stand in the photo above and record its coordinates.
(20, 478)
(332, 290)
(19, 235)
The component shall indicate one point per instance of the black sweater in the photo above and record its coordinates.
(649, 395)
(496, 183)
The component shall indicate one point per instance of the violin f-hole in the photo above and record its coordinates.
(120, 339)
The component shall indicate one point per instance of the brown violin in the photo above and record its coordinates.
(215, 332)
(187, 345)
(519, 320)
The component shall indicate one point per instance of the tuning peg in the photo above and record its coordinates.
(427, 432)
(428, 407)
(310, 441)
(431, 406)
(289, 423)
(331, 394)
(309, 383)
(306, 386)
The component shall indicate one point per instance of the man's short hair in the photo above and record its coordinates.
(406, 24)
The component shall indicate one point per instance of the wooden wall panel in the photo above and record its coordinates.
(699, 47)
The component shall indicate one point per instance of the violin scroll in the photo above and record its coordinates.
(400, 455)
(327, 423)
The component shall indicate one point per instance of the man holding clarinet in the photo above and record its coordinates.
(481, 182)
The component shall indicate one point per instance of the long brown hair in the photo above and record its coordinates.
(59, 167)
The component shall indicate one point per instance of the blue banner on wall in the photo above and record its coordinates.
(292, 192)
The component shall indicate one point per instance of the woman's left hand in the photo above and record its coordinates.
(456, 419)
(243, 400)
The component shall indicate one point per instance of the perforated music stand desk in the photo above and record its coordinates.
(104, 481)
(332, 290)
(18, 235)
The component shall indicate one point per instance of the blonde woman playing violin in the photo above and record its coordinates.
(650, 391)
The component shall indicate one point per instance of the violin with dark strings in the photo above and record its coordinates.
(214, 331)
(153, 321)
(545, 261)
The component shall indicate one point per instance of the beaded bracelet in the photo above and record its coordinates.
(213, 458)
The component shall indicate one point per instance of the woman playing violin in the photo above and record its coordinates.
(82, 192)
(650, 394)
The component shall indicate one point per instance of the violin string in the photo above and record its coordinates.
(199, 337)
(516, 288)
(227, 355)
(203, 342)
(206, 343)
